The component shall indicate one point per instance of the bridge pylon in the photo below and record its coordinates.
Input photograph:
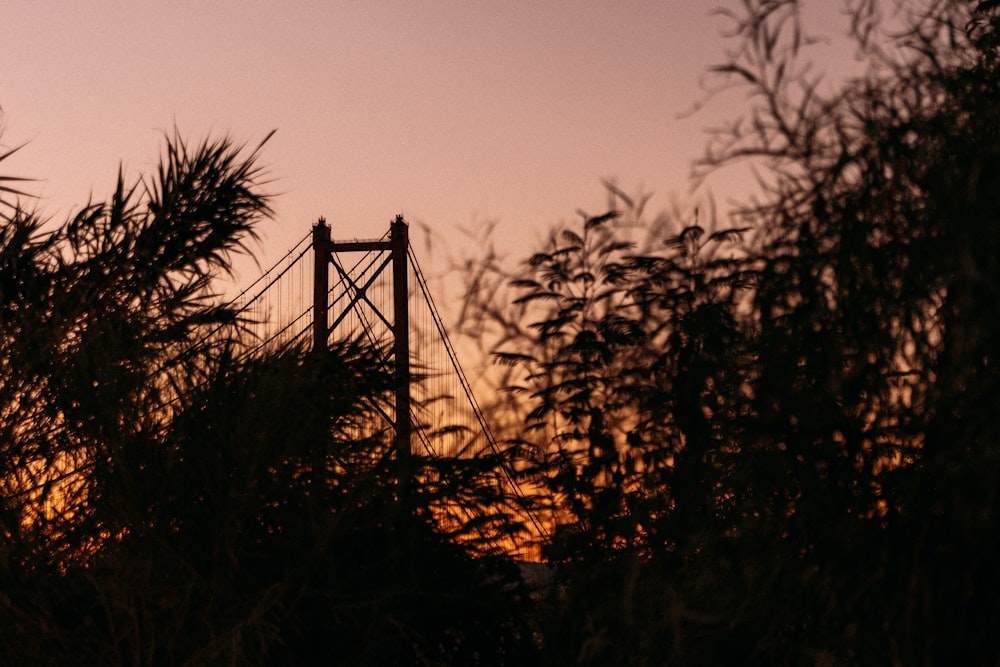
(396, 246)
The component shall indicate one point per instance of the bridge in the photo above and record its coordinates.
(323, 289)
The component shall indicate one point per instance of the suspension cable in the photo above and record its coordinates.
(466, 386)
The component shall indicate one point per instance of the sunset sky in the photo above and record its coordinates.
(451, 113)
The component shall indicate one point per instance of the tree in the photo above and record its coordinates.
(170, 499)
(627, 354)
(792, 441)
(876, 379)
(95, 315)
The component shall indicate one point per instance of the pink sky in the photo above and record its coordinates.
(451, 113)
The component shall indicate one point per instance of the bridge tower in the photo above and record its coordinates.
(396, 264)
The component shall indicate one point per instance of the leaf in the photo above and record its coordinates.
(535, 296)
(512, 358)
(568, 250)
(539, 258)
(599, 220)
(733, 234)
(525, 283)
(692, 232)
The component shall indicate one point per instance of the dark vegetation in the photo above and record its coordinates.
(770, 440)
(773, 440)
(170, 500)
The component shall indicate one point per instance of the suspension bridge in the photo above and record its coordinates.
(375, 290)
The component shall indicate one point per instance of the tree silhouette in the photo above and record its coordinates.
(773, 441)
(90, 312)
(169, 499)
(875, 381)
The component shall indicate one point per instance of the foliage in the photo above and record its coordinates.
(92, 312)
(765, 441)
(876, 379)
(618, 371)
(169, 499)
(774, 441)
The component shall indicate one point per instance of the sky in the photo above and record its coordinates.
(451, 113)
